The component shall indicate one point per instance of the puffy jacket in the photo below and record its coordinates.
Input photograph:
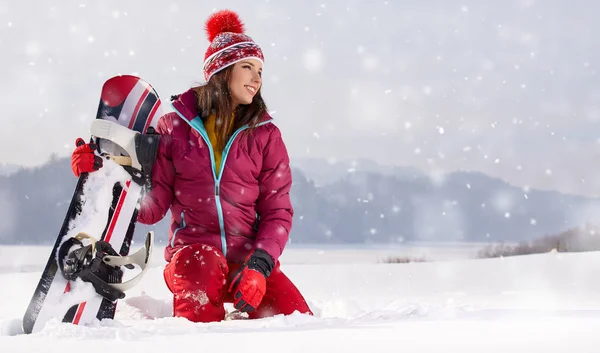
(245, 206)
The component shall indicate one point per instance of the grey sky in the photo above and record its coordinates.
(510, 88)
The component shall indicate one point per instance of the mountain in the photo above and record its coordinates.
(463, 206)
(366, 203)
(323, 171)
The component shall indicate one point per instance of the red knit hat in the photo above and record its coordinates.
(228, 43)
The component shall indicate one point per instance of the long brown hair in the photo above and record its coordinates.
(214, 98)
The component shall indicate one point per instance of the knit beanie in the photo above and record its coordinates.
(228, 43)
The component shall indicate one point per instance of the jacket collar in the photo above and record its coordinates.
(185, 103)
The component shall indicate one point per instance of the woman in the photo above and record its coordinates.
(223, 170)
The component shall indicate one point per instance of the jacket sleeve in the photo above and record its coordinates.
(156, 203)
(274, 206)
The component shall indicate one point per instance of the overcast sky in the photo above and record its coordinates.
(507, 87)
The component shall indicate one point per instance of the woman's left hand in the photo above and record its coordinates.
(250, 282)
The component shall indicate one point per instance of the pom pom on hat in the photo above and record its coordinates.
(228, 43)
(223, 21)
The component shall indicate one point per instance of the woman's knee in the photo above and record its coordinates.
(197, 266)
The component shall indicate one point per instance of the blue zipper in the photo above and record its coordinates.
(178, 229)
(198, 125)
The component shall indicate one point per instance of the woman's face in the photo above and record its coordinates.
(245, 81)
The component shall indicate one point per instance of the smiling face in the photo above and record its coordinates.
(245, 81)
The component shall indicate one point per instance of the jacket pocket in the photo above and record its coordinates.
(178, 229)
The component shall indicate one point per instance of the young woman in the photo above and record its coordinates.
(222, 169)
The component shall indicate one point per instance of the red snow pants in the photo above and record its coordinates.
(199, 277)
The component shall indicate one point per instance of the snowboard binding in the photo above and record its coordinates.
(99, 264)
(139, 149)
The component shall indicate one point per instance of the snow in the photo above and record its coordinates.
(94, 212)
(541, 303)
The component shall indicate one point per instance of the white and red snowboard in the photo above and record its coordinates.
(88, 269)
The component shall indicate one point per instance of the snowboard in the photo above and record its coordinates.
(89, 267)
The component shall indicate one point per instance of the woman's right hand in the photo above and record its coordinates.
(83, 159)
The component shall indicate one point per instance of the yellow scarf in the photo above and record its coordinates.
(209, 125)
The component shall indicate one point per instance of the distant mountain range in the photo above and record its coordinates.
(344, 202)
(322, 171)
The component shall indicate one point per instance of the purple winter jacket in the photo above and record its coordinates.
(244, 207)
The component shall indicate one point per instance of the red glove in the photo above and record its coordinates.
(250, 282)
(83, 159)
